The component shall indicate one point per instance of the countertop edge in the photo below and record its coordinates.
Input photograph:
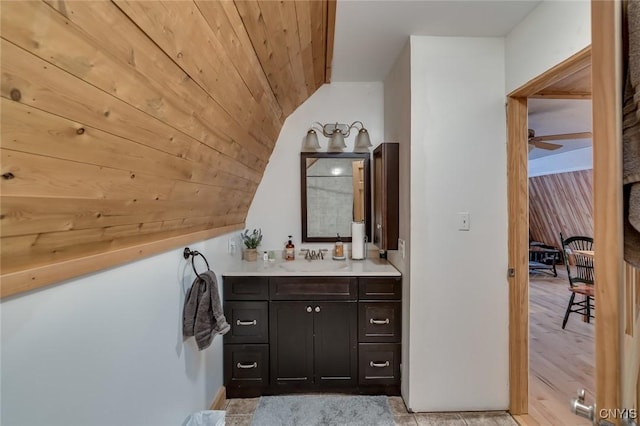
(310, 274)
(320, 268)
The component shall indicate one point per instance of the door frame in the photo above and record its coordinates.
(518, 234)
(606, 82)
(607, 190)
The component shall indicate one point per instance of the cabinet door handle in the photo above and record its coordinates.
(379, 364)
(240, 322)
(317, 308)
(379, 322)
(246, 366)
(309, 309)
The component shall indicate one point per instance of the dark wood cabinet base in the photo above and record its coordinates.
(292, 335)
(248, 392)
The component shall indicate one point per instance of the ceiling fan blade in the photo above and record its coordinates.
(545, 145)
(563, 136)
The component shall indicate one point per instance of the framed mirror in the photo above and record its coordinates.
(336, 190)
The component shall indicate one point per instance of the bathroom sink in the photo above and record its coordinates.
(304, 266)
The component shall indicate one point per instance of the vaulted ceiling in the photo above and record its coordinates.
(130, 127)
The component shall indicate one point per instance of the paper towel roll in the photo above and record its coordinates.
(357, 240)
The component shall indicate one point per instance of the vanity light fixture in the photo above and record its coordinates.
(311, 142)
(337, 133)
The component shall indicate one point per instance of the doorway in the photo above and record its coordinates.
(617, 283)
(518, 209)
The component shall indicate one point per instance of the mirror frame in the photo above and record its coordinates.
(366, 156)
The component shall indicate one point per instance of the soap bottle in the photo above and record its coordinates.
(290, 252)
(339, 248)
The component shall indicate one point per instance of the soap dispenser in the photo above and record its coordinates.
(338, 252)
(290, 251)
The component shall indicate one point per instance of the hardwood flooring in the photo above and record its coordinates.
(560, 361)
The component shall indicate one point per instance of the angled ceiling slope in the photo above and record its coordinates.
(133, 127)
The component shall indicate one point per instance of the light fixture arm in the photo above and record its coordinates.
(354, 125)
(337, 132)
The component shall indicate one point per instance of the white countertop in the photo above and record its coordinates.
(301, 267)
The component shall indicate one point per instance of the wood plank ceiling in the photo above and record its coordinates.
(128, 122)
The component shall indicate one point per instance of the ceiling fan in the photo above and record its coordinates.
(539, 141)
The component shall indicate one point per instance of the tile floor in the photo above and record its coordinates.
(240, 413)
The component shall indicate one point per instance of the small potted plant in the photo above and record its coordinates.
(251, 242)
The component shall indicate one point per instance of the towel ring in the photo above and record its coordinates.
(193, 253)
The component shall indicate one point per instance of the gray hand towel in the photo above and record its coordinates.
(202, 316)
(631, 138)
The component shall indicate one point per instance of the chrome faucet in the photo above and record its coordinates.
(314, 255)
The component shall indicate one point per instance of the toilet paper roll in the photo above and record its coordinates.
(357, 240)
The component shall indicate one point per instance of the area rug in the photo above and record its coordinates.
(310, 410)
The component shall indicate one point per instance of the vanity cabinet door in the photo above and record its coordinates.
(246, 370)
(385, 196)
(314, 343)
(380, 321)
(335, 326)
(379, 364)
(376, 288)
(249, 322)
(291, 344)
(245, 288)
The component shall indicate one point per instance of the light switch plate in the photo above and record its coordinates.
(401, 246)
(231, 247)
(464, 221)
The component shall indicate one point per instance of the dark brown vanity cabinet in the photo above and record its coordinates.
(313, 345)
(379, 335)
(246, 344)
(386, 164)
(299, 334)
(314, 332)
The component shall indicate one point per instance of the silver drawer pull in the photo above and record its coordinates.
(379, 364)
(376, 321)
(239, 322)
(246, 366)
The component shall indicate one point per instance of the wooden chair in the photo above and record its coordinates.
(581, 278)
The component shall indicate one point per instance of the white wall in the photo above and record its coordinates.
(551, 33)
(459, 305)
(571, 161)
(397, 128)
(107, 348)
(276, 205)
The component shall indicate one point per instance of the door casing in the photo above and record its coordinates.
(604, 56)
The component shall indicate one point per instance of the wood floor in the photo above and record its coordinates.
(560, 361)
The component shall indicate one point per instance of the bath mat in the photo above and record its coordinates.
(311, 410)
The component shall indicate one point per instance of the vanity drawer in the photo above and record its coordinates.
(379, 364)
(246, 288)
(249, 322)
(372, 288)
(246, 369)
(379, 321)
(313, 288)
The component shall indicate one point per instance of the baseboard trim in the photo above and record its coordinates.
(525, 420)
(220, 400)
